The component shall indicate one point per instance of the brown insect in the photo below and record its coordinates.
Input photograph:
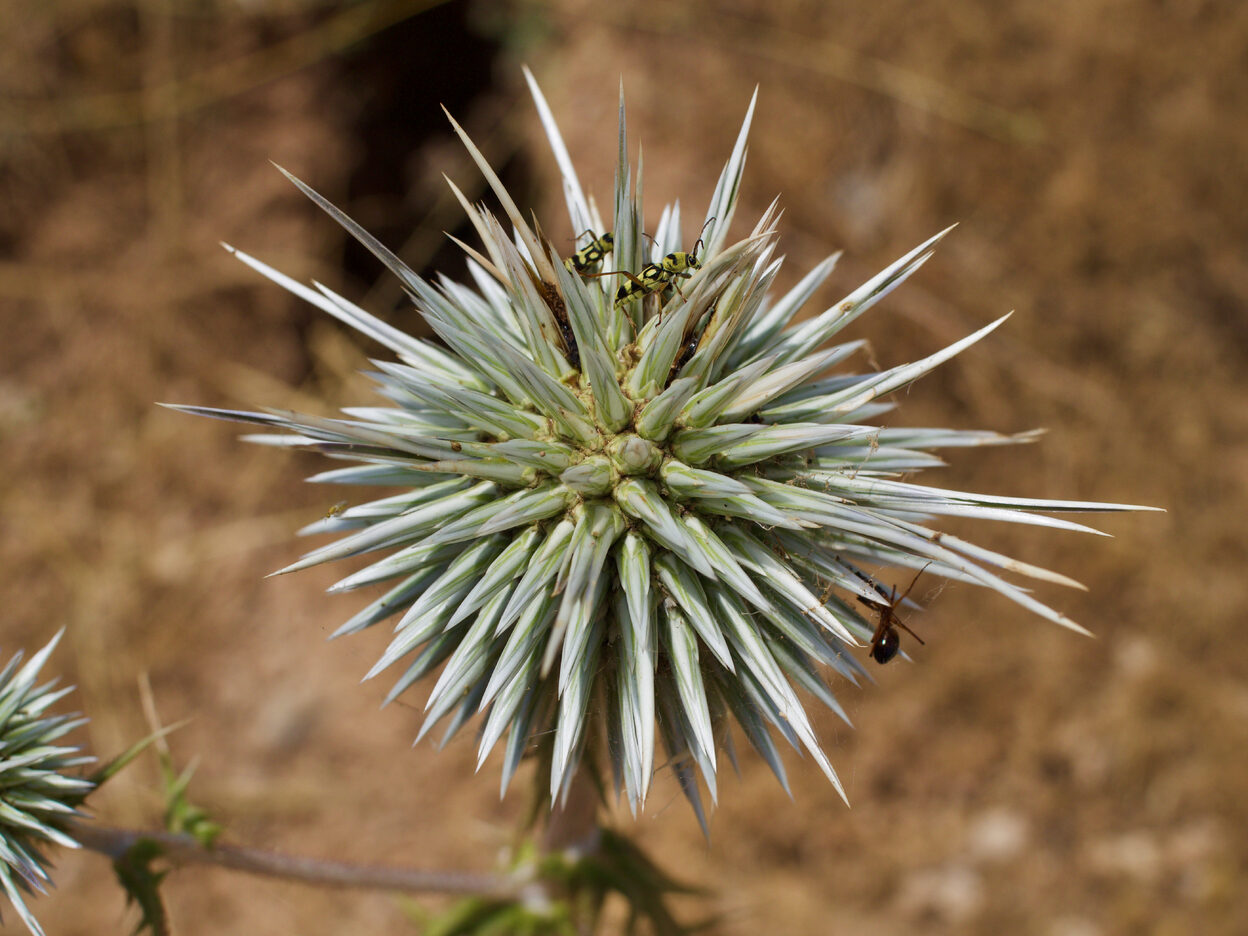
(691, 343)
(550, 295)
(886, 641)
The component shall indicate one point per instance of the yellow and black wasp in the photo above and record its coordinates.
(579, 262)
(655, 277)
(591, 253)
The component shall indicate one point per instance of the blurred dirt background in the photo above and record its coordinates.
(1016, 779)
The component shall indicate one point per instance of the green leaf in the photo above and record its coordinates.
(141, 882)
(683, 586)
(642, 500)
(682, 648)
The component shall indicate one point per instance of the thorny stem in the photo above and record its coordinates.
(572, 829)
(573, 824)
(181, 850)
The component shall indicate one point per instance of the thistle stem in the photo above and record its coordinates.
(182, 850)
(573, 824)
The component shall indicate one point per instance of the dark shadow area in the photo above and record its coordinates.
(398, 83)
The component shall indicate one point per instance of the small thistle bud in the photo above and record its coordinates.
(633, 455)
(38, 795)
(653, 486)
(591, 478)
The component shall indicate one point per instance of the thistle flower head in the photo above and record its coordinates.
(637, 494)
(37, 795)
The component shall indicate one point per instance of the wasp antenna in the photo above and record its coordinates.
(915, 581)
(709, 221)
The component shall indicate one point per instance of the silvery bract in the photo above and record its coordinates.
(37, 797)
(635, 497)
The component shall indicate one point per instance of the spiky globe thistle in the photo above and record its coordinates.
(635, 493)
(37, 794)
